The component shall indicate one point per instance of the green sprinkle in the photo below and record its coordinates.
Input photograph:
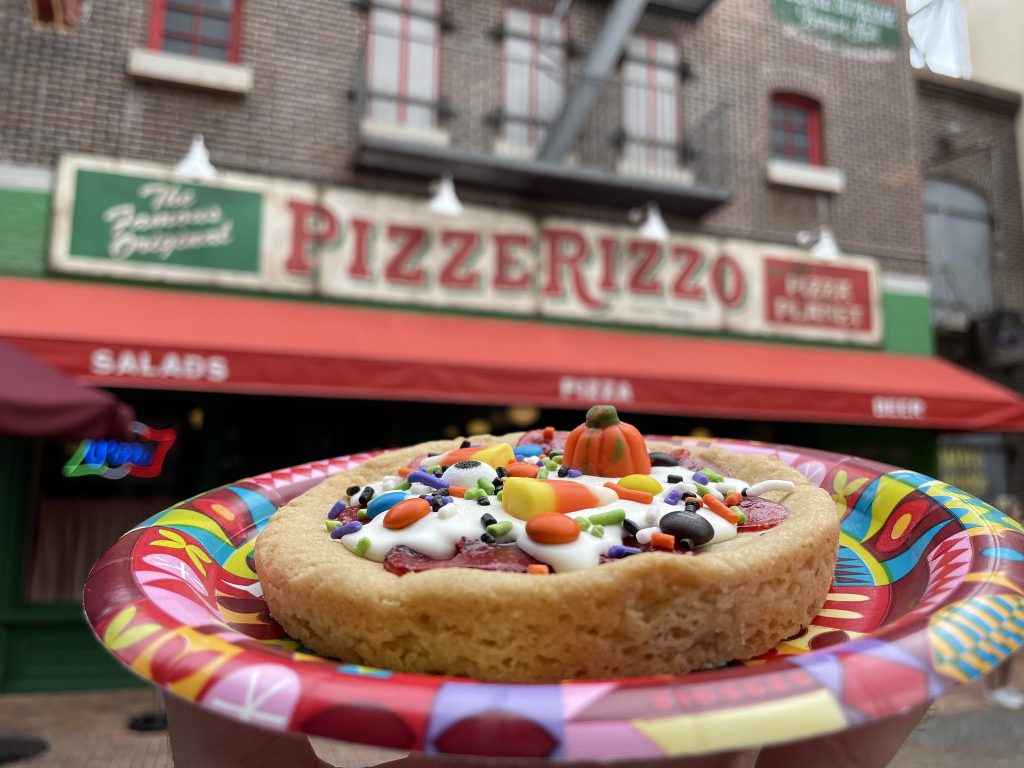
(405, 485)
(362, 545)
(711, 475)
(542, 474)
(551, 466)
(702, 489)
(485, 485)
(499, 529)
(473, 493)
(741, 513)
(583, 523)
(433, 469)
(611, 517)
(498, 495)
(557, 458)
(330, 525)
(597, 530)
(362, 514)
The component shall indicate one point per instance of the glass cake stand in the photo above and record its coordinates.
(928, 593)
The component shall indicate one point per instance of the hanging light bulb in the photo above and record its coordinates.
(444, 201)
(653, 226)
(196, 163)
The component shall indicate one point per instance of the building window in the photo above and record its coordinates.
(958, 238)
(208, 29)
(796, 129)
(402, 62)
(650, 103)
(534, 76)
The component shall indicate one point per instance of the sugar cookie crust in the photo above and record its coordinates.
(649, 614)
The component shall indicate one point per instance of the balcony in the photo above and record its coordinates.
(486, 118)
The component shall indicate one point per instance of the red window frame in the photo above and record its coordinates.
(402, 98)
(157, 33)
(532, 116)
(812, 111)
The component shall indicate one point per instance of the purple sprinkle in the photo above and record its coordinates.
(347, 528)
(573, 473)
(673, 497)
(700, 477)
(426, 479)
(446, 500)
(619, 551)
(336, 510)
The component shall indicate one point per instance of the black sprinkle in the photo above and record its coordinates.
(630, 527)
(689, 495)
(352, 490)
(744, 491)
(436, 503)
(365, 496)
(691, 506)
(486, 538)
(674, 478)
(465, 444)
(563, 471)
(487, 519)
(685, 544)
(483, 501)
(502, 472)
(661, 459)
(438, 472)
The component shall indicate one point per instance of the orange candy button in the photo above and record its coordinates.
(405, 513)
(552, 528)
(522, 469)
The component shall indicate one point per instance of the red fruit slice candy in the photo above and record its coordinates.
(761, 513)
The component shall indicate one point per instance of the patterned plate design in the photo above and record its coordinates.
(928, 593)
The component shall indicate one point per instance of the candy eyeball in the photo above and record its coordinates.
(466, 473)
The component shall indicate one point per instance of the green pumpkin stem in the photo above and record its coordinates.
(601, 416)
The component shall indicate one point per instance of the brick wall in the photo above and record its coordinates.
(73, 94)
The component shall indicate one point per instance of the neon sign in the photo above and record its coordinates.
(114, 459)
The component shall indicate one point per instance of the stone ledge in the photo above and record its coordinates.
(176, 68)
(817, 178)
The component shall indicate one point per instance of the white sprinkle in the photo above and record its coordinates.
(770, 485)
(687, 487)
(715, 492)
(653, 514)
(390, 482)
(419, 488)
(643, 536)
(727, 488)
(447, 510)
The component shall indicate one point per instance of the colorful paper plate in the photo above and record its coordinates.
(928, 593)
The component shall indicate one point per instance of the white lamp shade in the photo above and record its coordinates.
(196, 163)
(654, 227)
(444, 201)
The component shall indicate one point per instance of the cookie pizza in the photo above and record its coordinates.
(551, 555)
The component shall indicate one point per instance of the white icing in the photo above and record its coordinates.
(437, 534)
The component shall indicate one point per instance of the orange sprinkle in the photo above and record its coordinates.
(405, 513)
(733, 499)
(404, 471)
(720, 509)
(538, 568)
(552, 528)
(456, 490)
(628, 494)
(549, 433)
(663, 541)
(522, 469)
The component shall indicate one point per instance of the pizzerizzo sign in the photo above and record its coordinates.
(139, 221)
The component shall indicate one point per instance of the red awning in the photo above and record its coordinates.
(170, 339)
(38, 401)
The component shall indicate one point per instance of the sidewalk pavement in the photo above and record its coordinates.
(89, 730)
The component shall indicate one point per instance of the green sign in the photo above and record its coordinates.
(129, 219)
(857, 23)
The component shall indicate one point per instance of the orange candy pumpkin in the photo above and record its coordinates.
(605, 446)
